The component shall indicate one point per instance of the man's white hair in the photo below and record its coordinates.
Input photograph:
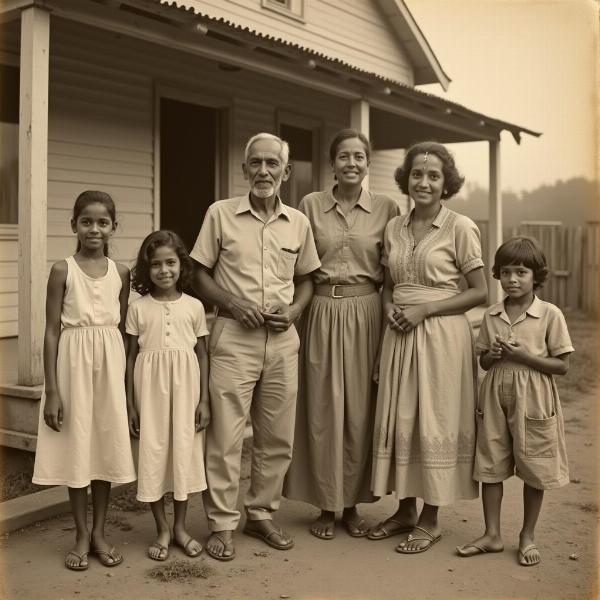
(284, 153)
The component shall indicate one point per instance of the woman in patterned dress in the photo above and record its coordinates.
(424, 439)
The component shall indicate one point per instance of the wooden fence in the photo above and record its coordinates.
(573, 255)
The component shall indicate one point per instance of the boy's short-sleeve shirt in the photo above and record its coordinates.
(541, 330)
(252, 259)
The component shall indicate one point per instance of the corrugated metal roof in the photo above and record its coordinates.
(337, 64)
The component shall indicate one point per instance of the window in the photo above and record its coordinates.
(9, 148)
(289, 8)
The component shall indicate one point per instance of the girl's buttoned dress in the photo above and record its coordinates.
(332, 456)
(167, 392)
(520, 426)
(90, 373)
(424, 442)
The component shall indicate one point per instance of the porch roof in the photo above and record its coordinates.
(390, 127)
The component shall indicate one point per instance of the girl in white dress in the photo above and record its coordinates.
(82, 436)
(167, 386)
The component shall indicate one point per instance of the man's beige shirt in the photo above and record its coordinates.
(254, 259)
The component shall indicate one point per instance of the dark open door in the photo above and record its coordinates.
(188, 166)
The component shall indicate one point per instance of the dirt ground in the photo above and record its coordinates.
(32, 558)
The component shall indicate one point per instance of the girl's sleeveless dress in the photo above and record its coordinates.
(167, 390)
(90, 372)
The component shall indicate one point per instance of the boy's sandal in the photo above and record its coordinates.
(108, 559)
(227, 545)
(185, 547)
(81, 558)
(468, 550)
(426, 537)
(160, 548)
(522, 556)
(389, 527)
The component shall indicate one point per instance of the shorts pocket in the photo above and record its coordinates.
(286, 265)
(215, 334)
(541, 438)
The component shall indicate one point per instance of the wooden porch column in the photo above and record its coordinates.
(495, 219)
(359, 119)
(33, 184)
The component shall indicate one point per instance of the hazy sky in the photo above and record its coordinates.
(529, 62)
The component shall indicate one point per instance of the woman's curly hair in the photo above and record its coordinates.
(522, 250)
(140, 274)
(453, 180)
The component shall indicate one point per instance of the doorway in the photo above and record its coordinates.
(189, 152)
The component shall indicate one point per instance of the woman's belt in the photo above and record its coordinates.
(338, 290)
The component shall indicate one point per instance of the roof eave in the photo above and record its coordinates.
(426, 66)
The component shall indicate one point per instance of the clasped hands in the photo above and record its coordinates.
(404, 319)
(251, 316)
(509, 349)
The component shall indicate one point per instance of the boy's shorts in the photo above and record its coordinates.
(520, 429)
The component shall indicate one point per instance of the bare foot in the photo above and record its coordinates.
(324, 526)
(220, 545)
(486, 543)
(159, 549)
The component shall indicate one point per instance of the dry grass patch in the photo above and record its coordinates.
(181, 571)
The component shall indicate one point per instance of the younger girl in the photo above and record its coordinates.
(167, 386)
(85, 438)
(523, 342)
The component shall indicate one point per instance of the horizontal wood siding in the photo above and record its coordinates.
(381, 175)
(331, 27)
(101, 129)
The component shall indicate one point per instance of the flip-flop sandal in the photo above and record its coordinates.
(427, 537)
(465, 553)
(266, 537)
(354, 528)
(160, 548)
(525, 551)
(104, 557)
(389, 531)
(322, 536)
(185, 547)
(226, 545)
(80, 558)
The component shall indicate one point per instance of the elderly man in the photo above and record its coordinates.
(255, 257)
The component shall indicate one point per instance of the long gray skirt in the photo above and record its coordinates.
(333, 443)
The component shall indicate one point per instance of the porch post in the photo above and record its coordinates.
(495, 218)
(33, 184)
(359, 119)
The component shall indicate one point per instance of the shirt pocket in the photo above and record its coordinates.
(541, 437)
(286, 265)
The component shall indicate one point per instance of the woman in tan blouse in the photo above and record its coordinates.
(425, 421)
(331, 463)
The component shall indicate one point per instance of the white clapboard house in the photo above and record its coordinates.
(153, 100)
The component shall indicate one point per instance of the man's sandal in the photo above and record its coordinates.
(227, 545)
